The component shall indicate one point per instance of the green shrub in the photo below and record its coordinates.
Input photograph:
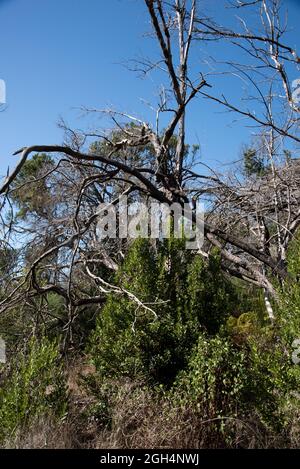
(214, 378)
(289, 310)
(33, 385)
(229, 381)
(193, 296)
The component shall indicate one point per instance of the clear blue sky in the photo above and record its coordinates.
(58, 55)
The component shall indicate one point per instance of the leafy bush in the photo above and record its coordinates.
(33, 385)
(229, 381)
(214, 378)
(193, 295)
(289, 310)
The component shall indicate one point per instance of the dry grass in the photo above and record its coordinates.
(139, 419)
(43, 433)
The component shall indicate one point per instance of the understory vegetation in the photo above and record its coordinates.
(207, 371)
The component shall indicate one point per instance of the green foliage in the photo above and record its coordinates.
(32, 385)
(247, 298)
(34, 198)
(246, 326)
(210, 296)
(289, 310)
(271, 379)
(193, 296)
(293, 256)
(115, 344)
(226, 381)
(253, 164)
(7, 260)
(214, 378)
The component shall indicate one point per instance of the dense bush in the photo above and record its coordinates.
(32, 385)
(228, 381)
(192, 296)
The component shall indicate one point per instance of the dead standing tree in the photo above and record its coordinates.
(273, 109)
